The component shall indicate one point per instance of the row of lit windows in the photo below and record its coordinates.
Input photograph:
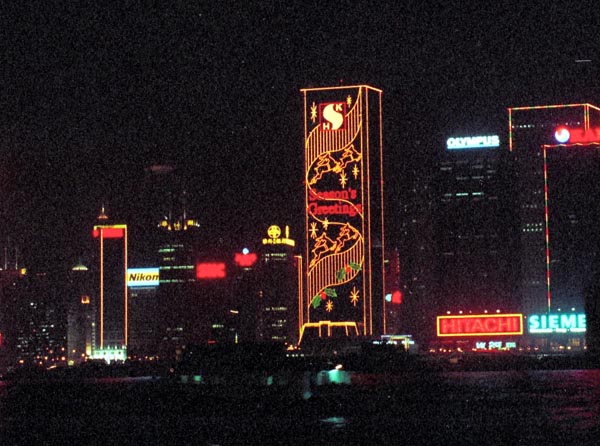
(166, 267)
(275, 308)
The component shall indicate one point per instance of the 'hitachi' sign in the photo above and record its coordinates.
(480, 325)
(142, 277)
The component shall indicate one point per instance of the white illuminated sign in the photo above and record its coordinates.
(557, 323)
(473, 142)
(142, 277)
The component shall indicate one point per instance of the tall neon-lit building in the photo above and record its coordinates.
(112, 329)
(344, 272)
(557, 154)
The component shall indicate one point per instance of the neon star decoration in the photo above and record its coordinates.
(343, 179)
(354, 296)
(325, 224)
(329, 306)
(313, 112)
(355, 171)
(313, 230)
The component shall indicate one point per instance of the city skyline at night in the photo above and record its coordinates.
(91, 102)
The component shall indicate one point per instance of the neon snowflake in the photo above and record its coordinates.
(343, 179)
(355, 171)
(313, 112)
(329, 306)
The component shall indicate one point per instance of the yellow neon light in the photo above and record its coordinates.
(350, 328)
(338, 208)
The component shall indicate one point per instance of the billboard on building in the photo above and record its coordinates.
(142, 277)
(480, 325)
(344, 206)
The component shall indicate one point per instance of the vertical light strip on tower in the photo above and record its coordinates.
(101, 288)
(125, 292)
(547, 223)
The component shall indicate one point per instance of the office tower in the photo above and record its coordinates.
(556, 150)
(112, 330)
(81, 307)
(474, 223)
(277, 293)
(344, 210)
(144, 313)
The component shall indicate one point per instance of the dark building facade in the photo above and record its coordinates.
(277, 294)
(557, 152)
(475, 226)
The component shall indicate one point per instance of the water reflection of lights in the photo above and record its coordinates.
(335, 422)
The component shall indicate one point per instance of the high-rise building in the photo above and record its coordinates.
(344, 269)
(112, 311)
(277, 293)
(143, 308)
(474, 226)
(81, 318)
(557, 152)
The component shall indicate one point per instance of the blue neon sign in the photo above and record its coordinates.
(473, 142)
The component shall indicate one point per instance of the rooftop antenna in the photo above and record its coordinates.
(102, 216)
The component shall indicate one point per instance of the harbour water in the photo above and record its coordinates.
(526, 407)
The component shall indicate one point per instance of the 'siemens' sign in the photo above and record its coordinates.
(480, 325)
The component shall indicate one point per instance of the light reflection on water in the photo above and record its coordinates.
(484, 408)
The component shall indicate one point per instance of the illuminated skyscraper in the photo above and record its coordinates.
(112, 330)
(557, 151)
(344, 209)
(277, 318)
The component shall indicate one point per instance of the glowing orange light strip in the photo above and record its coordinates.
(586, 115)
(101, 288)
(342, 87)
(547, 235)
(126, 309)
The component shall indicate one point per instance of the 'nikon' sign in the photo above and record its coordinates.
(142, 277)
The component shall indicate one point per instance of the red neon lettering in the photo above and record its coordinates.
(210, 271)
(478, 325)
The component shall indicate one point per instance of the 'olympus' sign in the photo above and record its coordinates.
(473, 142)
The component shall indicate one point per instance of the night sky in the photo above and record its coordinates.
(91, 95)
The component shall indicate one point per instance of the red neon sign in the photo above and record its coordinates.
(577, 135)
(210, 270)
(109, 232)
(245, 260)
(480, 325)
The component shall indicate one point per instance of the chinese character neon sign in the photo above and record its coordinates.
(275, 238)
(480, 325)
